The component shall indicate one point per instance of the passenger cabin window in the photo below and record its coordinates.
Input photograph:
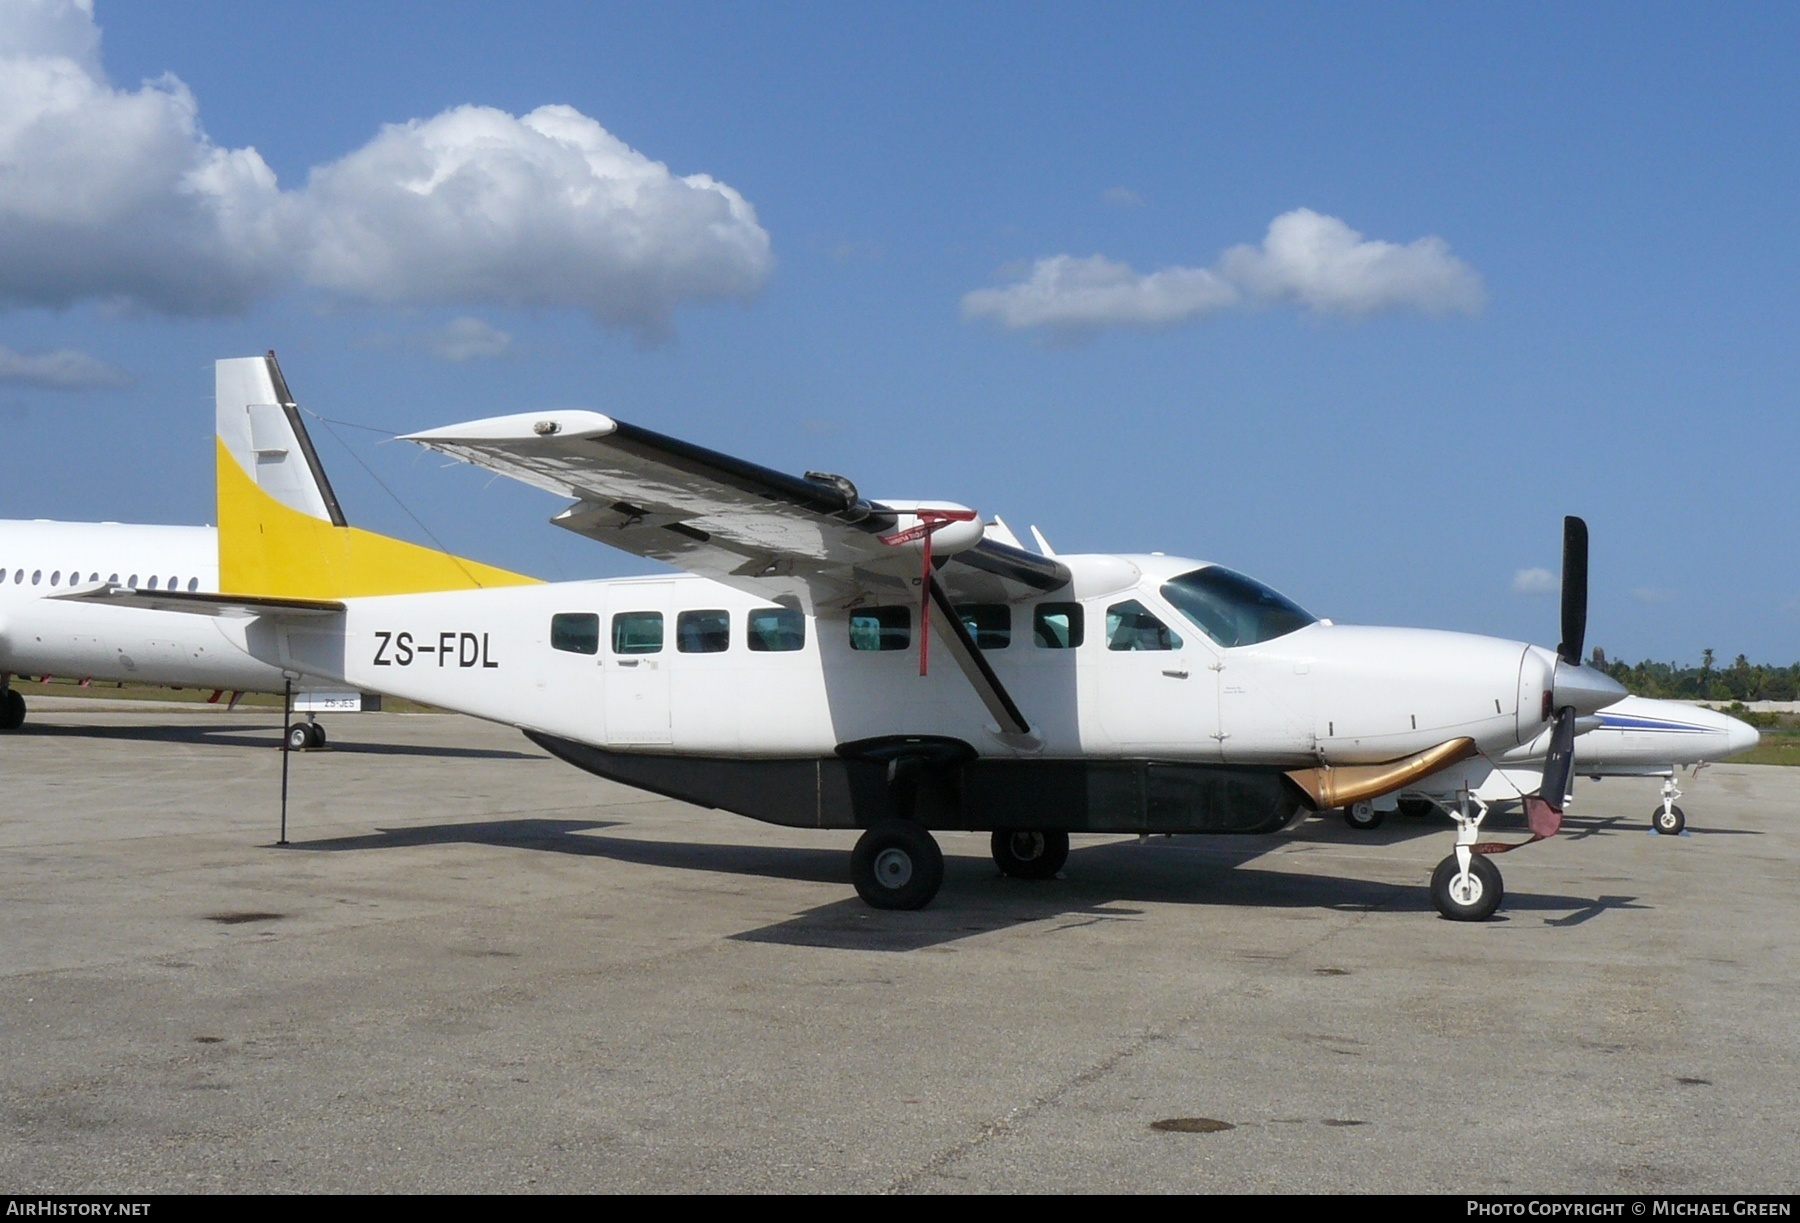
(703, 632)
(193, 583)
(990, 624)
(1131, 626)
(37, 575)
(637, 633)
(1232, 609)
(132, 582)
(575, 632)
(1057, 626)
(775, 630)
(881, 628)
(56, 577)
(152, 582)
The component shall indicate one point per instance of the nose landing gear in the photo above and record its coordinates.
(1466, 886)
(1668, 819)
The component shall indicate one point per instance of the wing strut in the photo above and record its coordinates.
(968, 656)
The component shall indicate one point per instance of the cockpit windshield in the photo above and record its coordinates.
(1233, 609)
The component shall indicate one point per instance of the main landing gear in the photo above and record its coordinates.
(12, 709)
(305, 737)
(897, 865)
(1669, 819)
(1363, 816)
(1026, 853)
(1466, 886)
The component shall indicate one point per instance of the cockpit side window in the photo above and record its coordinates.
(1232, 609)
(1131, 626)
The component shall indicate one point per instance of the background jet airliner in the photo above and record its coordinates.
(266, 468)
(1636, 737)
(786, 675)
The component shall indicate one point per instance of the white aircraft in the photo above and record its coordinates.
(786, 676)
(1635, 737)
(267, 467)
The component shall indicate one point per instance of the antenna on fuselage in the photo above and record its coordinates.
(1042, 543)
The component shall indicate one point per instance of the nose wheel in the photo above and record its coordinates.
(1467, 896)
(897, 865)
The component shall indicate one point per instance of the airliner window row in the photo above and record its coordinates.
(56, 579)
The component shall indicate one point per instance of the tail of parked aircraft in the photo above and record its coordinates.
(281, 531)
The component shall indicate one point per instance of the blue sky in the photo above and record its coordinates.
(1359, 300)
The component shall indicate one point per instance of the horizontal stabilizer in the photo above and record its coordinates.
(199, 603)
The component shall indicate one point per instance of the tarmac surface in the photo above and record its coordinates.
(477, 969)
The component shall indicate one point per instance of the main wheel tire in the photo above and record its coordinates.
(1417, 808)
(897, 865)
(318, 735)
(1030, 853)
(1670, 822)
(1475, 901)
(12, 710)
(299, 736)
(1363, 817)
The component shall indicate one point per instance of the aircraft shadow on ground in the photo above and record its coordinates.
(1101, 883)
(267, 737)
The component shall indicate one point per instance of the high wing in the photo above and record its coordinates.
(810, 540)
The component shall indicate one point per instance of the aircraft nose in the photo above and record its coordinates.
(1740, 737)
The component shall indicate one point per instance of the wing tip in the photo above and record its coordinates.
(520, 426)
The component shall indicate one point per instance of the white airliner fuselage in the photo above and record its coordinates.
(44, 636)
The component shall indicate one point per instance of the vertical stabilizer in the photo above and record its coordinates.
(281, 530)
(259, 426)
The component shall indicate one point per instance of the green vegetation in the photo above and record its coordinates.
(1741, 681)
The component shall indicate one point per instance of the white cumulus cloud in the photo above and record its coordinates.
(1070, 295)
(1308, 260)
(119, 196)
(1535, 582)
(66, 369)
(1322, 264)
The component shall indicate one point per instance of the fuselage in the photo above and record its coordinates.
(1107, 668)
(40, 635)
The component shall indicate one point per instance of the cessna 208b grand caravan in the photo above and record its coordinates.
(786, 676)
(265, 465)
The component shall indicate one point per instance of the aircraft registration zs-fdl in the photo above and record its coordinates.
(787, 675)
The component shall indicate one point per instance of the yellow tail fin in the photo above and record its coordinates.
(281, 532)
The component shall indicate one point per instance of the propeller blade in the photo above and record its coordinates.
(1560, 764)
(1574, 590)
